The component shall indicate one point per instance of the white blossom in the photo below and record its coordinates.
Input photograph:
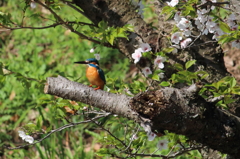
(92, 50)
(145, 47)
(176, 37)
(162, 144)
(146, 71)
(97, 56)
(161, 75)
(151, 136)
(25, 137)
(173, 3)
(177, 17)
(33, 4)
(184, 24)
(159, 62)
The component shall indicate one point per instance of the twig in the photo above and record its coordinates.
(57, 130)
(71, 28)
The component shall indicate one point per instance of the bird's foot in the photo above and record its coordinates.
(90, 85)
(97, 88)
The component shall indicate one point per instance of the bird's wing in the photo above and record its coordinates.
(101, 74)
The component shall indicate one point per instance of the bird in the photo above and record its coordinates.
(94, 73)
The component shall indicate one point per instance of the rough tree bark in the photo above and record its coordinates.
(178, 110)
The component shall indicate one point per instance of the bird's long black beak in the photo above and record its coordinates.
(82, 62)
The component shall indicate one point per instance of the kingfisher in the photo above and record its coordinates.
(94, 73)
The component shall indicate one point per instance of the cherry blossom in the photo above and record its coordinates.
(25, 137)
(97, 56)
(92, 50)
(176, 47)
(134, 137)
(145, 47)
(177, 17)
(159, 62)
(33, 4)
(173, 3)
(161, 75)
(151, 136)
(162, 144)
(146, 71)
(184, 24)
(185, 43)
(176, 37)
(137, 55)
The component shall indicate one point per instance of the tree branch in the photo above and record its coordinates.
(180, 111)
(58, 130)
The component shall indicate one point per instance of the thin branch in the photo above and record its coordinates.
(58, 130)
(72, 6)
(71, 28)
(166, 157)
(110, 133)
(49, 26)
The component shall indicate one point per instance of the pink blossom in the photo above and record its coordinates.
(137, 55)
(185, 43)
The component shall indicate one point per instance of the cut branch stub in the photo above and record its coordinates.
(148, 104)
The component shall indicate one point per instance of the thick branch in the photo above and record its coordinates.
(177, 110)
(116, 104)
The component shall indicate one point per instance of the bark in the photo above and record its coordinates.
(208, 54)
(180, 111)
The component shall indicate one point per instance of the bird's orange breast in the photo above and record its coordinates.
(93, 77)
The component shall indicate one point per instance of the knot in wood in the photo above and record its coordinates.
(148, 104)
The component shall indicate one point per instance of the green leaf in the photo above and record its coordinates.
(165, 84)
(178, 66)
(189, 64)
(236, 90)
(232, 82)
(155, 77)
(221, 104)
(167, 9)
(168, 50)
(2, 78)
(102, 152)
(228, 100)
(224, 27)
